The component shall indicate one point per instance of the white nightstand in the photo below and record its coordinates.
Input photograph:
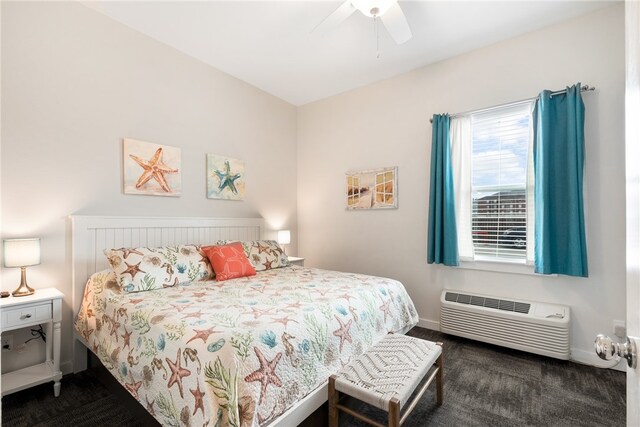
(45, 306)
(296, 261)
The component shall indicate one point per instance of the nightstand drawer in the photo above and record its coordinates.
(27, 315)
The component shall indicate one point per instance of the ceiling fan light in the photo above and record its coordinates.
(373, 8)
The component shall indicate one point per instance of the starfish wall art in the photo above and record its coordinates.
(151, 169)
(225, 178)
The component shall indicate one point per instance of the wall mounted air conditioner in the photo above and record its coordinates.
(535, 327)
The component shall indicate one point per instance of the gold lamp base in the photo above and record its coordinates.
(24, 289)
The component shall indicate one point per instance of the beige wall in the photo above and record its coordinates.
(386, 124)
(74, 83)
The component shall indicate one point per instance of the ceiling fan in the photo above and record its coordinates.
(387, 10)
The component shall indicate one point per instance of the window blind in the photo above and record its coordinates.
(500, 140)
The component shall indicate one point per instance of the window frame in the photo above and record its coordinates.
(498, 264)
(384, 193)
(354, 197)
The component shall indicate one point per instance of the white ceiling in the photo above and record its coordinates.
(269, 44)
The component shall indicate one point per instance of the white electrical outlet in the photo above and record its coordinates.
(7, 342)
(619, 328)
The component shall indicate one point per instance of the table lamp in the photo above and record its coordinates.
(284, 238)
(22, 253)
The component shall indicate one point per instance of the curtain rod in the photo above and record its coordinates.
(585, 88)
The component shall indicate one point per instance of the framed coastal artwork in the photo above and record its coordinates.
(151, 169)
(372, 189)
(225, 178)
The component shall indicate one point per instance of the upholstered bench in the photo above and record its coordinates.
(385, 376)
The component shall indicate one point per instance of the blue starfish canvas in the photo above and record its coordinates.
(225, 178)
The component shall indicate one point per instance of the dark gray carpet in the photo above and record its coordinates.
(484, 386)
(85, 400)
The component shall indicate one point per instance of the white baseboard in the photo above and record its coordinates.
(591, 358)
(578, 356)
(429, 324)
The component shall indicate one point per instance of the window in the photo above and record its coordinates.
(501, 188)
(384, 188)
(353, 190)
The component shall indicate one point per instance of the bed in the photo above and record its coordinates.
(250, 351)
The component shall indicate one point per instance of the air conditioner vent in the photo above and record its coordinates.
(506, 305)
(450, 296)
(479, 301)
(523, 325)
(463, 299)
(491, 303)
(497, 304)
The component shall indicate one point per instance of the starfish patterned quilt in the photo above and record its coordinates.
(242, 351)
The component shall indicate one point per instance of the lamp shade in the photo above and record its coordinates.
(21, 252)
(284, 237)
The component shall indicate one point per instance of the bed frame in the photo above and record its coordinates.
(90, 235)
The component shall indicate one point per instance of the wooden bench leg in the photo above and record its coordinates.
(394, 412)
(333, 401)
(439, 377)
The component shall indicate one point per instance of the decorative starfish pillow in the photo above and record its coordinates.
(229, 261)
(265, 254)
(145, 269)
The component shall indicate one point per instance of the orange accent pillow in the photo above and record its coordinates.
(229, 261)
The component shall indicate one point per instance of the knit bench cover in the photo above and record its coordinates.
(391, 368)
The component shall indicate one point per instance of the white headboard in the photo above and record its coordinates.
(90, 235)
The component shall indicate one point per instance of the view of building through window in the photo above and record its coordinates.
(500, 139)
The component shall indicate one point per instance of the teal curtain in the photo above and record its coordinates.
(558, 155)
(442, 240)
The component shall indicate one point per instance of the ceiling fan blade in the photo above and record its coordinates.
(340, 14)
(396, 23)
